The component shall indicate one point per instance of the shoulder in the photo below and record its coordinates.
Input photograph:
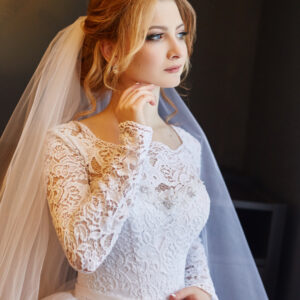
(66, 130)
(64, 149)
(72, 132)
(67, 137)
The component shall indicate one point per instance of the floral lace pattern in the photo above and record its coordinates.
(128, 215)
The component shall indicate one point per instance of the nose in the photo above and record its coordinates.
(175, 50)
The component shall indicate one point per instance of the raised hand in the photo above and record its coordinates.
(132, 101)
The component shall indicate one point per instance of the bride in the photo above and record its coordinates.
(115, 201)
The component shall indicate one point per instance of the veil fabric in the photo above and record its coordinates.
(32, 262)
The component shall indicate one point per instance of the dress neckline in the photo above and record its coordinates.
(91, 134)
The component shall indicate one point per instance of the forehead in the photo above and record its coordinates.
(166, 13)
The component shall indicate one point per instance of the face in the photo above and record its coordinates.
(164, 48)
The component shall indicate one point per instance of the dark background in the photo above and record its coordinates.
(245, 93)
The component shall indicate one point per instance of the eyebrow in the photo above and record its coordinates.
(164, 27)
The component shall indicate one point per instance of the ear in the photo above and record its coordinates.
(106, 48)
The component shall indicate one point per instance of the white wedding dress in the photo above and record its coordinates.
(128, 215)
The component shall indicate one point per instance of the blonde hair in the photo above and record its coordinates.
(114, 21)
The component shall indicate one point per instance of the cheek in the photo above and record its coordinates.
(148, 58)
(184, 50)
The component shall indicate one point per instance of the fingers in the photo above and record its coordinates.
(181, 294)
(135, 87)
(137, 97)
(140, 97)
(131, 103)
(191, 292)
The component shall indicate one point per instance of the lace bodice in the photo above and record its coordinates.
(128, 215)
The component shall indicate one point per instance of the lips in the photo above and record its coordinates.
(173, 68)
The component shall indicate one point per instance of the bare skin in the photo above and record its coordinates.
(131, 106)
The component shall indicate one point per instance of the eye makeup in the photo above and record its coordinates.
(153, 37)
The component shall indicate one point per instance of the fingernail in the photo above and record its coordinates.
(173, 295)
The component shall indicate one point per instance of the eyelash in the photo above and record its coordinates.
(151, 36)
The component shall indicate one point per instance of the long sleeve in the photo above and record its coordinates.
(89, 201)
(197, 271)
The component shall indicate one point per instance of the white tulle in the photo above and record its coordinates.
(52, 96)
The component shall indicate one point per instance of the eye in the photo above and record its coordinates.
(183, 34)
(153, 37)
(157, 37)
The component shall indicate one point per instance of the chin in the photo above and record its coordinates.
(168, 81)
(169, 84)
(161, 82)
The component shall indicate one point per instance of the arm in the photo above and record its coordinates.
(196, 270)
(88, 211)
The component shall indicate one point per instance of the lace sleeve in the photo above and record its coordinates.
(88, 212)
(196, 270)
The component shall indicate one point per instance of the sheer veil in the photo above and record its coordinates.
(32, 263)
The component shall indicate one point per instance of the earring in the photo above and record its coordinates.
(115, 69)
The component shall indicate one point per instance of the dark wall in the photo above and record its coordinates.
(273, 143)
(222, 72)
(26, 28)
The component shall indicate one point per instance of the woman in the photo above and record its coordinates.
(122, 185)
